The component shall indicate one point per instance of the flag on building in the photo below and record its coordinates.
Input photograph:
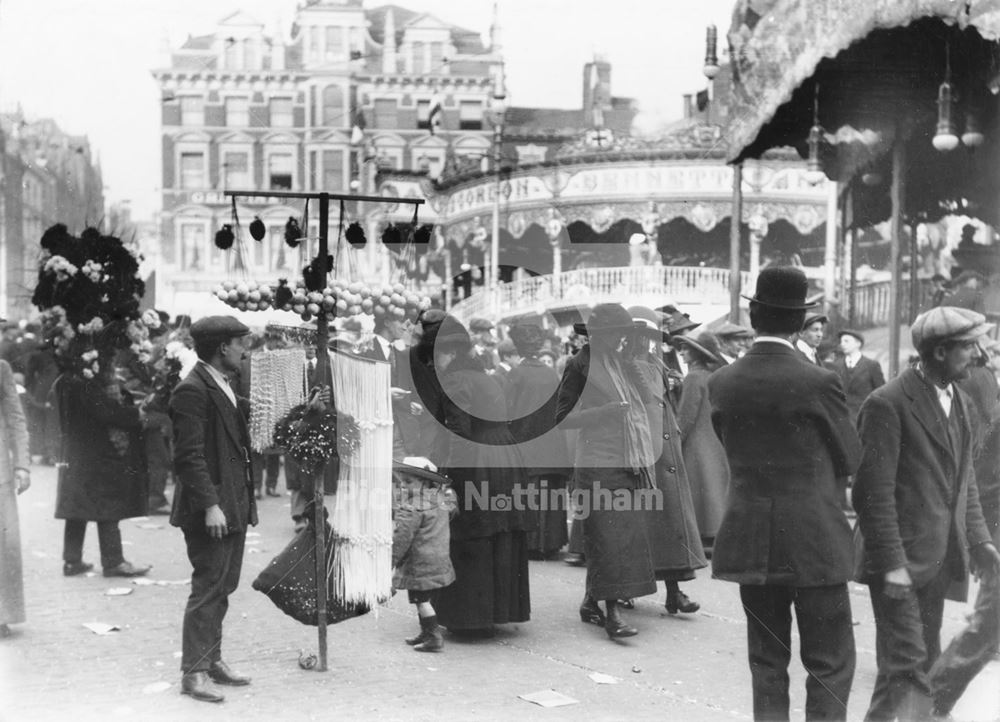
(435, 113)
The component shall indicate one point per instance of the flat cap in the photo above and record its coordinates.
(478, 325)
(852, 332)
(729, 329)
(948, 323)
(222, 327)
(812, 318)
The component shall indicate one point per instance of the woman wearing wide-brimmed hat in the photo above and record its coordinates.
(674, 541)
(15, 478)
(478, 453)
(601, 394)
(704, 455)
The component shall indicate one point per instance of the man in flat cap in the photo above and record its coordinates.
(810, 337)
(859, 374)
(484, 342)
(920, 524)
(214, 502)
(734, 340)
(783, 538)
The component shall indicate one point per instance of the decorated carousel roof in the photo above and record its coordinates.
(870, 70)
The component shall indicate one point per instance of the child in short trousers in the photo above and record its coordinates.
(422, 506)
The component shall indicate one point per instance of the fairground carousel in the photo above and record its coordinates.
(612, 217)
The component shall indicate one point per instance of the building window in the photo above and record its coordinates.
(333, 106)
(192, 110)
(333, 170)
(313, 170)
(527, 154)
(312, 46)
(470, 115)
(250, 61)
(281, 113)
(334, 44)
(260, 254)
(192, 171)
(230, 59)
(385, 113)
(281, 167)
(430, 162)
(437, 58)
(423, 114)
(418, 59)
(237, 112)
(236, 169)
(193, 246)
(283, 256)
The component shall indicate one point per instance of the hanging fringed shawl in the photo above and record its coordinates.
(361, 568)
(277, 384)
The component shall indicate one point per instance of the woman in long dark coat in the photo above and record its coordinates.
(103, 476)
(477, 452)
(531, 404)
(674, 541)
(601, 394)
(704, 455)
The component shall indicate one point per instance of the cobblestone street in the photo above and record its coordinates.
(682, 668)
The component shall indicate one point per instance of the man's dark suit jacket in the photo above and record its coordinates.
(865, 377)
(211, 454)
(911, 486)
(788, 437)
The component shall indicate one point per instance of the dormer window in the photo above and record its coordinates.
(418, 58)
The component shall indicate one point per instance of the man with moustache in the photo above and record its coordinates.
(920, 524)
(214, 501)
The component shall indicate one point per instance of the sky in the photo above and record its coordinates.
(87, 63)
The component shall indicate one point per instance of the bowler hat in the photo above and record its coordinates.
(948, 323)
(705, 344)
(782, 287)
(220, 327)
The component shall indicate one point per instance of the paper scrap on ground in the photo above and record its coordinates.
(156, 688)
(118, 591)
(252, 541)
(148, 525)
(548, 698)
(102, 628)
(252, 534)
(252, 550)
(172, 582)
(143, 582)
(601, 678)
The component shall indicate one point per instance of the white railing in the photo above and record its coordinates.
(643, 285)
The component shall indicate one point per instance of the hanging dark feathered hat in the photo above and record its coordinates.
(314, 274)
(355, 235)
(257, 229)
(423, 234)
(224, 237)
(293, 233)
(391, 235)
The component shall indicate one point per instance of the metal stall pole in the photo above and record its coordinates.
(325, 378)
(735, 231)
(898, 201)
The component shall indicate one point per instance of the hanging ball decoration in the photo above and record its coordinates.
(391, 235)
(224, 237)
(355, 235)
(423, 234)
(293, 233)
(257, 229)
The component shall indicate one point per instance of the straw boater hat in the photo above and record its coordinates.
(782, 287)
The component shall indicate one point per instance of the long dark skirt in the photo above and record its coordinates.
(491, 583)
(619, 564)
(548, 525)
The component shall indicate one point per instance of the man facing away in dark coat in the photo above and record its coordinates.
(784, 539)
(919, 517)
(214, 501)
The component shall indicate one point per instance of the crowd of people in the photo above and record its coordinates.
(643, 444)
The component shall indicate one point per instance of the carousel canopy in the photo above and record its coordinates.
(870, 72)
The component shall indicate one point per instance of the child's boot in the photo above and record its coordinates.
(413, 641)
(433, 639)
